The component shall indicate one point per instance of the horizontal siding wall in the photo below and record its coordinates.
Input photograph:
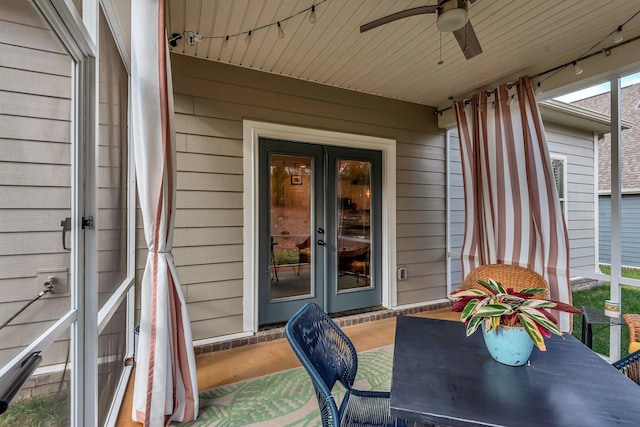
(211, 100)
(630, 229)
(577, 146)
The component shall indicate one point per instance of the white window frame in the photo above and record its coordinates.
(564, 200)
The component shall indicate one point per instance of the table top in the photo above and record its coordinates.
(596, 316)
(441, 376)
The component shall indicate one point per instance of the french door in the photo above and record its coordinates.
(319, 228)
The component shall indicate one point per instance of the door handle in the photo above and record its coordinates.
(66, 226)
(321, 242)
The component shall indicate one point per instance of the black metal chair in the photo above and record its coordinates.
(329, 356)
(630, 366)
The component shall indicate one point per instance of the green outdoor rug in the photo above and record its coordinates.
(285, 398)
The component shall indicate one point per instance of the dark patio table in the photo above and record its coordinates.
(442, 377)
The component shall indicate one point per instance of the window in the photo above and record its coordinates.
(559, 165)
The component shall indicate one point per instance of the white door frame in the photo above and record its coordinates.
(252, 132)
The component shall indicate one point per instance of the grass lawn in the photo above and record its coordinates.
(41, 411)
(595, 297)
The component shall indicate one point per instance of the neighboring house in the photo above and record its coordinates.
(630, 176)
(571, 132)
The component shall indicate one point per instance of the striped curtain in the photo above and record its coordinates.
(165, 378)
(512, 210)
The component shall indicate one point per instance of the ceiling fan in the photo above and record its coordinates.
(452, 17)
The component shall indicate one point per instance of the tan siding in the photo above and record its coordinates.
(29, 243)
(221, 290)
(34, 83)
(16, 266)
(208, 145)
(426, 293)
(211, 182)
(197, 255)
(22, 288)
(34, 152)
(205, 310)
(211, 102)
(209, 200)
(35, 174)
(34, 60)
(217, 327)
(20, 104)
(21, 12)
(13, 127)
(17, 197)
(14, 220)
(214, 164)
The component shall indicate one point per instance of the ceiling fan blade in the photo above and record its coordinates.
(468, 41)
(421, 10)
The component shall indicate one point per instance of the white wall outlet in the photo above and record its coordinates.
(402, 273)
(59, 279)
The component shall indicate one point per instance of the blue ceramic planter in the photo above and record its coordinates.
(508, 345)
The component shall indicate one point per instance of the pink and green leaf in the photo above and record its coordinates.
(493, 310)
(473, 323)
(568, 308)
(538, 317)
(468, 293)
(538, 303)
(493, 286)
(532, 291)
(532, 329)
(468, 310)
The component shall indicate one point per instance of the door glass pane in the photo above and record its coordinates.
(35, 181)
(354, 233)
(291, 252)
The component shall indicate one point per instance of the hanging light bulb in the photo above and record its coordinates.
(510, 100)
(225, 42)
(538, 90)
(312, 14)
(617, 36)
(280, 31)
(577, 68)
(247, 39)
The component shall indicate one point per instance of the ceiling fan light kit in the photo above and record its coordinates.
(452, 20)
(452, 17)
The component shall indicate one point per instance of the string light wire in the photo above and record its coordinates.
(586, 54)
(555, 70)
(249, 33)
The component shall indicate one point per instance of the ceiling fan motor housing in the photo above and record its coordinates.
(452, 15)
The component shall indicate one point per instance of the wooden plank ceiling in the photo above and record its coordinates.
(400, 59)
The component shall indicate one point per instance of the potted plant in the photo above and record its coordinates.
(520, 318)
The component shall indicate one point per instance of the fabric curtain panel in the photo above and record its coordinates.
(165, 382)
(512, 210)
